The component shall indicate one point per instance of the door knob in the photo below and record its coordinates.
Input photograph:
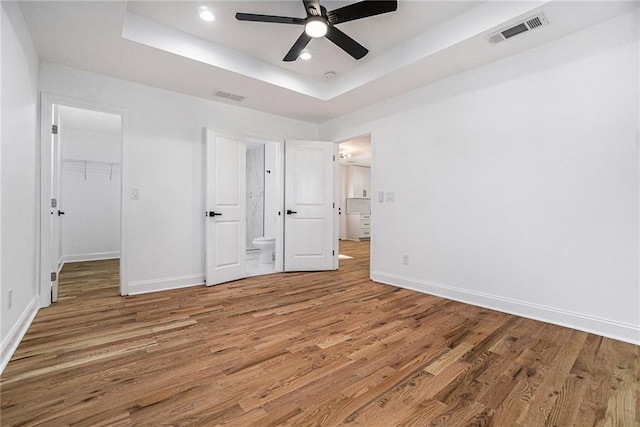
(289, 212)
(212, 213)
(60, 212)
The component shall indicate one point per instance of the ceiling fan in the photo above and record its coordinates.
(320, 23)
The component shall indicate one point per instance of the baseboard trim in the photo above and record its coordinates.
(165, 284)
(609, 328)
(12, 340)
(94, 256)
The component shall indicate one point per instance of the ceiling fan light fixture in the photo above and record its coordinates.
(205, 14)
(306, 55)
(315, 26)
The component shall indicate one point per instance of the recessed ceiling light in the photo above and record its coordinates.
(306, 55)
(205, 14)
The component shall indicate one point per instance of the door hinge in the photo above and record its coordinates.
(54, 129)
(334, 205)
(54, 203)
(334, 158)
(333, 253)
(54, 276)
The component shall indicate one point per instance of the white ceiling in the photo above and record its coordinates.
(164, 44)
(270, 42)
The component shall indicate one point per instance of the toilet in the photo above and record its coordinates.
(266, 246)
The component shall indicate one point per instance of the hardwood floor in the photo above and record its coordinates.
(306, 349)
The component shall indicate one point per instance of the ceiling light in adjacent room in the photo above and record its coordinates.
(205, 14)
(330, 75)
(315, 26)
(306, 55)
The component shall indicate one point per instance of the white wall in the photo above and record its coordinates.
(164, 153)
(18, 177)
(516, 183)
(90, 197)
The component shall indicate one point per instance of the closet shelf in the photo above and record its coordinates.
(89, 162)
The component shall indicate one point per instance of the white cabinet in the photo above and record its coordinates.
(358, 226)
(358, 182)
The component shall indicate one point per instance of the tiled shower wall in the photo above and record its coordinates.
(255, 194)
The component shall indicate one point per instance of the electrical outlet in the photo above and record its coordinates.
(405, 259)
(9, 299)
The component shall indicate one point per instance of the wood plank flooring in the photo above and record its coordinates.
(304, 349)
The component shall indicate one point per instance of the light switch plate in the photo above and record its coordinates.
(135, 193)
(381, 196)
(391, 196)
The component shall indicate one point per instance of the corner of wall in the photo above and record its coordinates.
(13, 338)
(20, 72)
(591, 324)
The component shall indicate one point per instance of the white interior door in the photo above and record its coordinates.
(56, 209)
(310, 232)
(226, 210)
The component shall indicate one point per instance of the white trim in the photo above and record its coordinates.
(165, 284)
(94, 256)
(597, 325)
(15, 335)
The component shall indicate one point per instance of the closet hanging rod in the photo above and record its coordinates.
(90, 162)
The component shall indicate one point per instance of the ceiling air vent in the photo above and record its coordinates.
(521, 27)
(231, 96)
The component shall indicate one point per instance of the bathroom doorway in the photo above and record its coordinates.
(245, 177)
(263, 202)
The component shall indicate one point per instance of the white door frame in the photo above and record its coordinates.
(374, 195)
(43, 269)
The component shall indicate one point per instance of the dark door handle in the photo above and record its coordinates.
(289, 212)
(212, 213)
(60, 212)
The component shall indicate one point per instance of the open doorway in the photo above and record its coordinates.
(263, 204)
(81, 193)
(355, 191)
(88, 235)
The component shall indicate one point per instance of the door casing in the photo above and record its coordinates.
(45, 235)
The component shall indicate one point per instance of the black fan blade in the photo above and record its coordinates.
(269, 18)
(346, 43)
(309, 4)
(362, 9)
(297, 48)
